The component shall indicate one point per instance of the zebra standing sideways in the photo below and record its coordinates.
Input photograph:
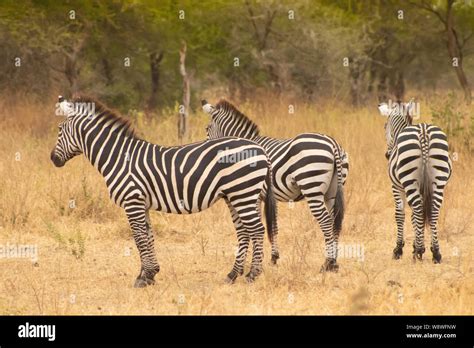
(311, 166)
(419, 168)
(183, 179)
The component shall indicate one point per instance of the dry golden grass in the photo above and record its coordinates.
(83, 266)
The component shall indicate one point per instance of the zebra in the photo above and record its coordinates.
(311, 166)
(419, 167)
(141, 176)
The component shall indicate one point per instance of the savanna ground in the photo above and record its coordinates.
(87, 260)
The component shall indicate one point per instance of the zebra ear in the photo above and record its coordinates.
(66, 108)
(207, 108)
(384, 109)
(410, 108)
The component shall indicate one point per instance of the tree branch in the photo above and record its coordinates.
(268, 25)
(426, 6)
(252, 20)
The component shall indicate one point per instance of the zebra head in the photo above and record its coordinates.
(67, 144)
(399, 116)
(213, 130)
(228, 121)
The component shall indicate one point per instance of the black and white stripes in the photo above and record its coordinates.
(183, 179)
(419, 168)
(311, 165)
(243, 167)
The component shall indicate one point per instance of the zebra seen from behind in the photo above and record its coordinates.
(141, 176)
(311, 166)
(419, 168)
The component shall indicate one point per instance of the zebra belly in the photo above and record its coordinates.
(182, 207)
(293, 195)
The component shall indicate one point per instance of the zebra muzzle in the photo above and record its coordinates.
(56, 160)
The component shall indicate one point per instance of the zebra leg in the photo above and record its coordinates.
(252, 223)
(326, 222)
(330, 200)
(256, 231)
(137, 219)
(151, 238)
(243, 245)
(434, 226)
(400, 220)
(275, 248)
(418, 227)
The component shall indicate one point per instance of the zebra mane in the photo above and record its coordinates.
(124, 125)
(231, 111)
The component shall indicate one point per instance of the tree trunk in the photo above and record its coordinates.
(71, 73)
(155, 60)
(399, 85)
(354, 76)
(455, 51)
(183, 109)
(107, 71)
(382, 87)
(261, 39)
(372, 77)
(71, 68)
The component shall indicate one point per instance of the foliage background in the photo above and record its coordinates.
(285, 48)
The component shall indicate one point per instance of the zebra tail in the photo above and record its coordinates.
(427, 194)
(339, 208)
(270, 206)
(339, 200)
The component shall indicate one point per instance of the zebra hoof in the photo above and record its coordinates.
(436, 256)
(231, 277)
(253, 274)
(228, 280)
(330, 266)
(275, 258)
(143, 282)
(250, 278)
(418, 254)
(397, 253)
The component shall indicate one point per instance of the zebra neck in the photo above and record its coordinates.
(398, 127)
(397, 132)
(243, 134)
(106, 149)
